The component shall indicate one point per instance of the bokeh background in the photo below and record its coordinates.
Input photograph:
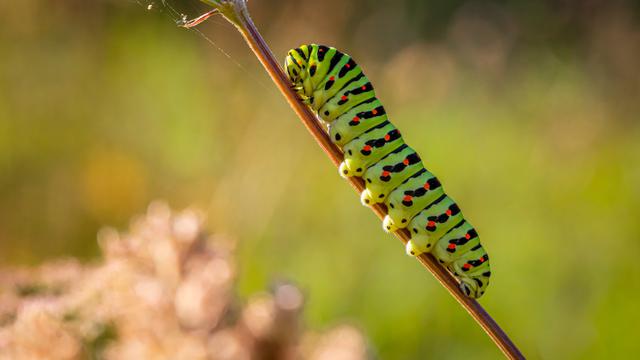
(527, 110)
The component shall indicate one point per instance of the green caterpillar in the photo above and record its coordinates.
(335, 87)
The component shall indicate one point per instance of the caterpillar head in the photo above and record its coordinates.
(296, 64)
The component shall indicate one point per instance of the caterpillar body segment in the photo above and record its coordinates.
(336, 88)
(343, 101)
(461, 239)
(392, 170)
(437, 219)
(430, 224)
(356, 121)
(369, 148)
(411, 197)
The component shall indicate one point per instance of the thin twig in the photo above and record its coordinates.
(237, 13)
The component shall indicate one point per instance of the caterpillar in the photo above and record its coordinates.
(334, 86)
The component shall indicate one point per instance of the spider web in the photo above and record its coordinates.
(180, 18)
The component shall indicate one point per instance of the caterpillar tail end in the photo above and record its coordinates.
(470, 287)
(475, 283)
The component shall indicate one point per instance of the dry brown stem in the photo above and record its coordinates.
(237, 13)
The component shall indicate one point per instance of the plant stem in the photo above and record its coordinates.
(237, 13)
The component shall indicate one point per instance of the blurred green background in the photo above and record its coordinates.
(527, 110)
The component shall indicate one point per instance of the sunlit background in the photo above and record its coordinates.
(526, 110)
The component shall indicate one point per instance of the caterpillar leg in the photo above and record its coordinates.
(415, 248)
(388, 224)
(418, 245)
(344, 170)
(305, 99)
(366, 199)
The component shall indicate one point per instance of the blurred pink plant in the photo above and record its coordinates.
(162, 291)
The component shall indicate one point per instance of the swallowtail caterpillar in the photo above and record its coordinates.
(334, 86)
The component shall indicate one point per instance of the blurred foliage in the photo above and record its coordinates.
(163, 290)
(527, 111)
